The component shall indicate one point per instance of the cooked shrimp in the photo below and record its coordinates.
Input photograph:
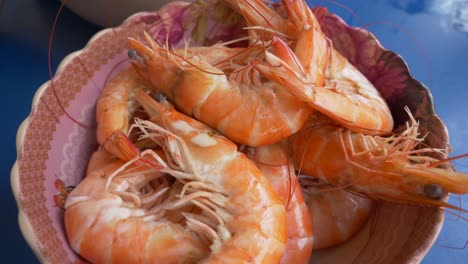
(125, 213)
(239, 104)
(273, 161)
(104, 226)
(336, 213)
(392, 168)
(320, 75)
(114, 109)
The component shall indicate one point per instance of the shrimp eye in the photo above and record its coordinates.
(160, 97)
(132, 54)
(434, 191)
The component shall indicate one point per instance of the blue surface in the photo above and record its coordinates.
(437, 28)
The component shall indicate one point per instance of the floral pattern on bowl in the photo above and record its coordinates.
(55, 142)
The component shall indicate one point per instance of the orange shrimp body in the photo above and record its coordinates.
(103, 227)
(203, 202)
(389, 168)
(115, 106)
(239, 103)
(274, 163)
(258, 222)
(314, 71)
(336, 213)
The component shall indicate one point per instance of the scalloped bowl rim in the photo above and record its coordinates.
(23, 221)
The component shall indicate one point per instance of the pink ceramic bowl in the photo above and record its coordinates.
(55, 142)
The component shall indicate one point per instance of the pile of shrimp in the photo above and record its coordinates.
(259, 154)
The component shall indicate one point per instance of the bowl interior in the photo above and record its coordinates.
(59, 135)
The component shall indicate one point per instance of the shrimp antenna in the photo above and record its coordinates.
(269, 30)
(49, 62)
(234, 41)
(435, 164)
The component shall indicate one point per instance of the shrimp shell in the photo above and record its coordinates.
(241, 217)
(337, 214)
(239, 102)
(273, 161)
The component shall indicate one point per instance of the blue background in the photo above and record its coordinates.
(432, 36)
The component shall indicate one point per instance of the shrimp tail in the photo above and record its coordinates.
(284, 68)
(123, 148)
(329, 83)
